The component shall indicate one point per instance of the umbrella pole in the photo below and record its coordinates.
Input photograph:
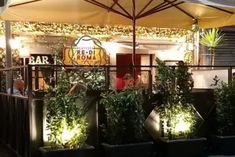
(134, 42)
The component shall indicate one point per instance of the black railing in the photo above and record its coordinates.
(38, 77)
(14, 119)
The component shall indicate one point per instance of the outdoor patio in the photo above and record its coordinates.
(116, 78)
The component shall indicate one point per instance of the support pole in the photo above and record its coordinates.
(8, 53)
(8, 47)
(134, 40)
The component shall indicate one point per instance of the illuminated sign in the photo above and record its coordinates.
(40, 59)
(86, 52)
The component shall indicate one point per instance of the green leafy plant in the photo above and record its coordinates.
(178, 120)
(211, 39)
(178, 116)
(66, 121)
(225, 108)
(173, 83)
(125, 116)
(95, 79)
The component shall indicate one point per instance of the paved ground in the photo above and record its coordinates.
(221, 156)
(6, 152)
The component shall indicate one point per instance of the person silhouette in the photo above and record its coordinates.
(18, 87)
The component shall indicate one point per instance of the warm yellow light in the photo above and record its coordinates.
(68, 134)
(111, 47)
(182, 126)
(2, 42)
(24, 53)
(15, 43)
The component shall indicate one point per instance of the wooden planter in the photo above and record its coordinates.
(181, 147)
(80, 152)
(129, 150)
(223, 145)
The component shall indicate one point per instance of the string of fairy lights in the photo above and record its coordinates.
(75, 30)
(66, 32)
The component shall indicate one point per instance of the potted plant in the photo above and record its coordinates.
(96, 83)
(66, 120)
(211, 39)
(224, 141)
(124, 132)
(176, 118)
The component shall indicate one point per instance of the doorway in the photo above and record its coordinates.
(124, 73)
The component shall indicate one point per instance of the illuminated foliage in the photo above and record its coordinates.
(65, 113)
(178, 120)
(178, 116)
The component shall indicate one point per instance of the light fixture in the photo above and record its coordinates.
(24, 52)
(2, 42)
(15, 43)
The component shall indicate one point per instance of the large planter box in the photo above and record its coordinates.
(144, 149)
(223, 145)
(182, 147)
(80, 152)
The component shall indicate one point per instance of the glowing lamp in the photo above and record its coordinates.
(67, 135)
(15, 43)
(2, 42)
(24, 53)
(182, 126)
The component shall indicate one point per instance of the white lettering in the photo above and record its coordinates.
(38, 60)
(45, 60)
(31, 60)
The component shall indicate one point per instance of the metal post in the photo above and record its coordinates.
(134, 40)
(107, 78)
(230, 74)
(8, 53)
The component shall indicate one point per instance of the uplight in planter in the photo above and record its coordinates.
(181, 120)
(183, 123)
(182, 126)
(68, 134)
(173, 120)
(177, 125)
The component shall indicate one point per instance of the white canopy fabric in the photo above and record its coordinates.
(175, 14)
(219, 3)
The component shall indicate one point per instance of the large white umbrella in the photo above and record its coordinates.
(157, 13)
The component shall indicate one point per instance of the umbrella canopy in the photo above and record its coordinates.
(156, 13)
(219, 3)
